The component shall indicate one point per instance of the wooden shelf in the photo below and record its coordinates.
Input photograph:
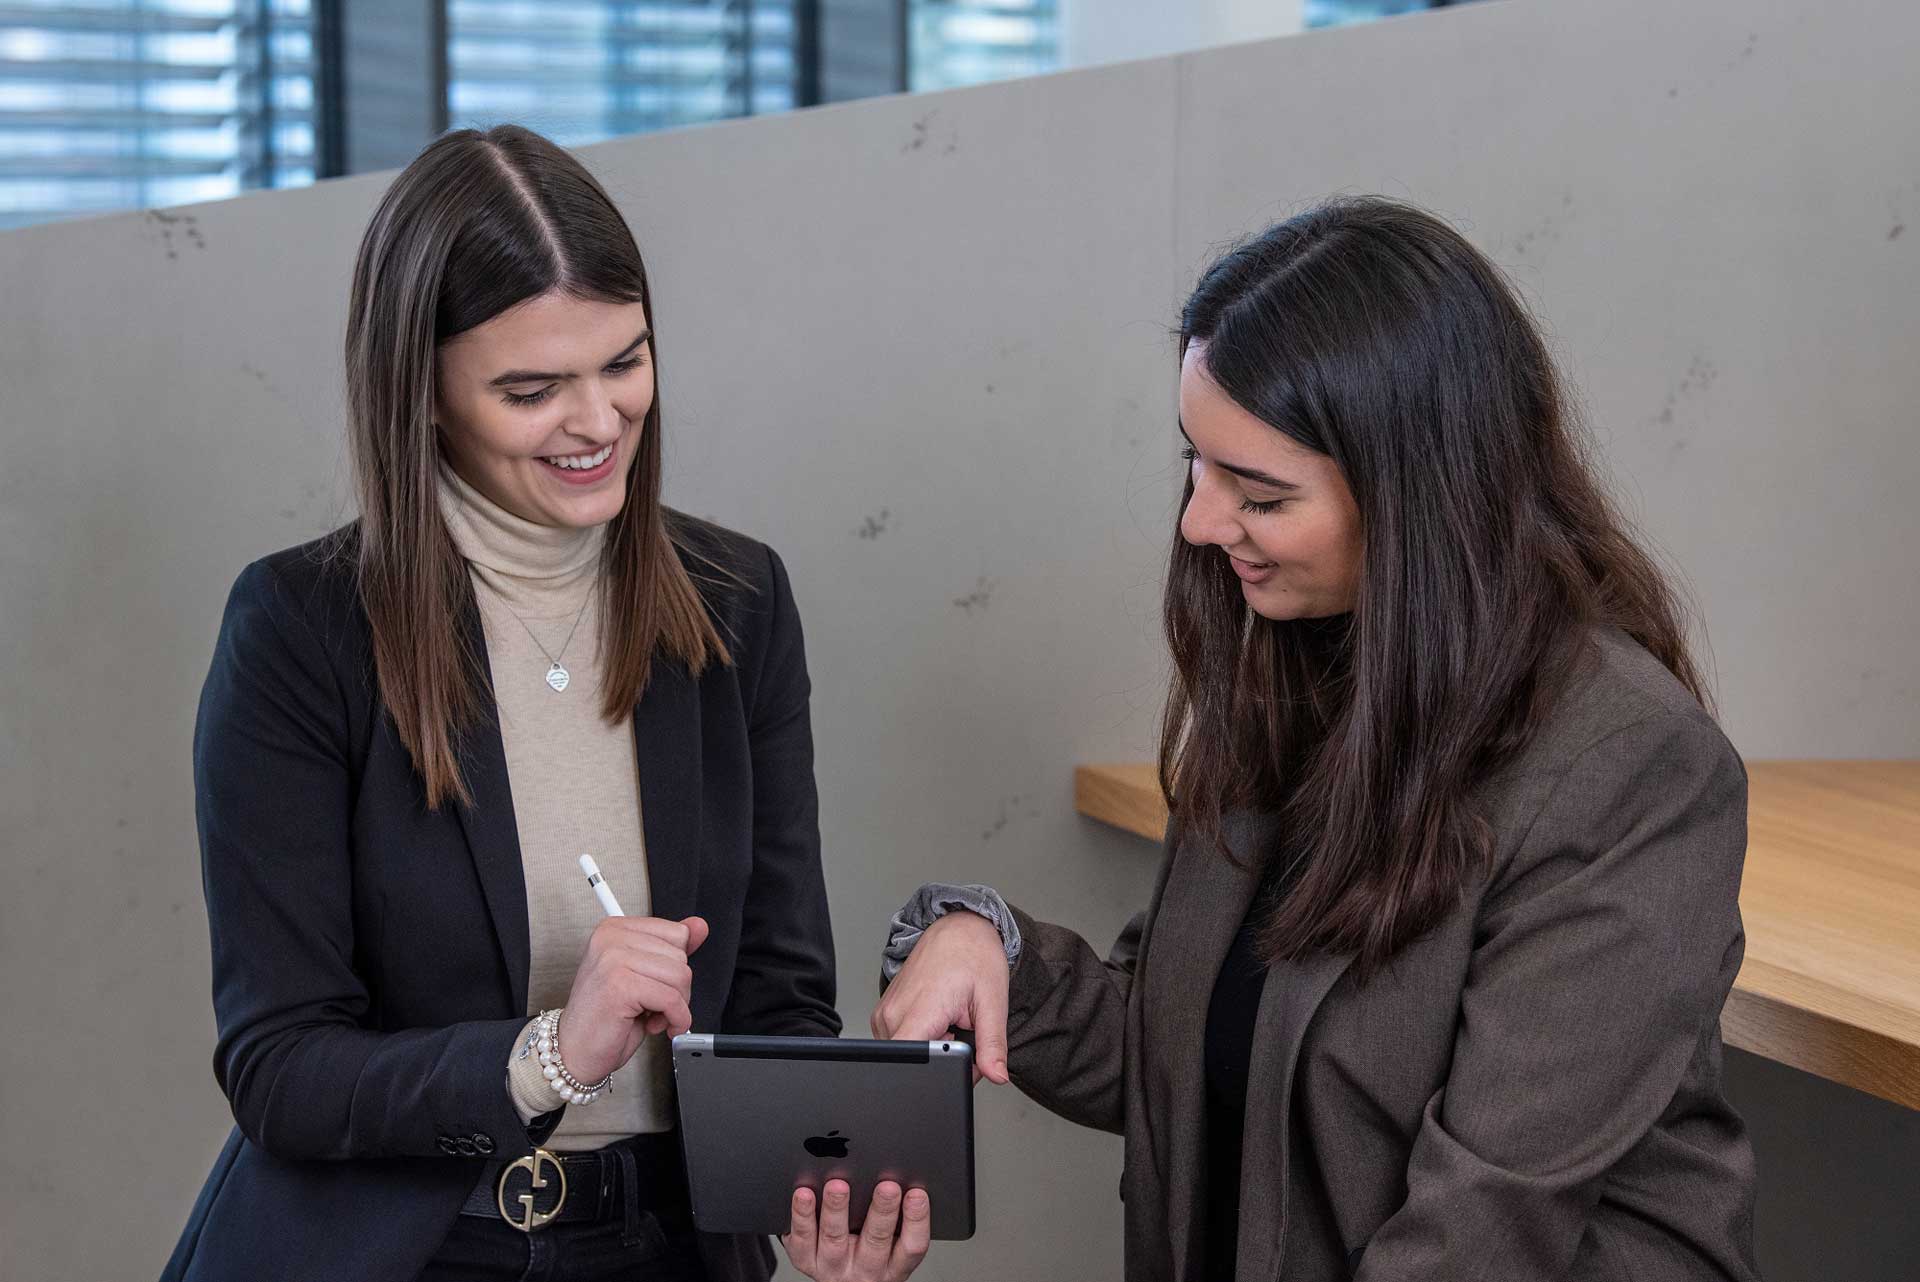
(1830, 897)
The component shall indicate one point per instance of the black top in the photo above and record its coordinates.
(1229, 1052)
(1235, 1006)
(1232, 1013)
(370, 956)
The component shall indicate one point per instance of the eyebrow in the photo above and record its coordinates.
(1253, 474)
(513, 376)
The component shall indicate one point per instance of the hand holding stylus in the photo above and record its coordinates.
(634, 981)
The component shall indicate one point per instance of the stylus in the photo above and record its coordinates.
(600, 887)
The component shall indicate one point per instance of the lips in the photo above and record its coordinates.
(1252, 571)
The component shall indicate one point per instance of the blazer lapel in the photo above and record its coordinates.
(1206, 899)
(492, 835)
(666, 744)
(1293, 992)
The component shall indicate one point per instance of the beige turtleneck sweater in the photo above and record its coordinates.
(575, 783)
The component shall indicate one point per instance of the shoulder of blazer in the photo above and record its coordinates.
(737, 578)
(733, 573)
(317, 581)
(1618, 695)
(1615, 684)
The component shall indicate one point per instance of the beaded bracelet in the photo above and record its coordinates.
(546, 1044)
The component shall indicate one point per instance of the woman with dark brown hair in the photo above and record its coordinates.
(1430, 985)
(443, 1062)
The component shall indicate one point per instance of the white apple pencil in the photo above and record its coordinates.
(600, 887)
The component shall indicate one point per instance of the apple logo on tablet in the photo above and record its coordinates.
(832, 1144)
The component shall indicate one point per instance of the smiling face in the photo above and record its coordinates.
(1280, 512)
(541, 408)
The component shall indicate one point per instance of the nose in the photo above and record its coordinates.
(1209, 519)
(599, 419)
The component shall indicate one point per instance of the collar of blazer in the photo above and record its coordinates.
(666, 741)
(1206, 899)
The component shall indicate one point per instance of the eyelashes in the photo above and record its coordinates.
(1265, 508)
(615, 370)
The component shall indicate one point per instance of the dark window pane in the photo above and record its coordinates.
(589, 69)
(969, 42)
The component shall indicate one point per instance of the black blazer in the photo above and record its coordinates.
(370, 956)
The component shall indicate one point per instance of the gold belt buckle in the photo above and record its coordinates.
(532, 1164)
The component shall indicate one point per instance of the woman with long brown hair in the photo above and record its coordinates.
(1430, 984)
(442, 1060)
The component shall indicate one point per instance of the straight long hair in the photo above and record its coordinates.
(1371, 332)
(479, 223)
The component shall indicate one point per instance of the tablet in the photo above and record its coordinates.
(760, 1116)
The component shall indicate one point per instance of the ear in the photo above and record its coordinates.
(437, 375)
(442, 412)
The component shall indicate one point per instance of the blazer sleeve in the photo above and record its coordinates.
(1067, 1021)
(783, 979)
(273, 798)
(1603, 957)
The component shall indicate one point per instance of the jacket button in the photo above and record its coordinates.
(466, 1147)
(483, 1141)
(447, 1145)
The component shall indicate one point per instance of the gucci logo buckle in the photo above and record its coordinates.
(532, 1164)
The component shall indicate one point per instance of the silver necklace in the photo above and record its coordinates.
(557, 675)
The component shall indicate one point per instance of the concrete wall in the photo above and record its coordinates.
(921, 345)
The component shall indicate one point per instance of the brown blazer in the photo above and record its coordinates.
(1530, 1092)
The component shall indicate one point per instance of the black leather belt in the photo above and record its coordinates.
(645, 1172)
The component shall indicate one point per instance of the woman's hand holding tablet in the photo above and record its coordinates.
(841, 1146)
(888, 1247)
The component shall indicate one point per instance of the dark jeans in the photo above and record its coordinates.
(658, 1246)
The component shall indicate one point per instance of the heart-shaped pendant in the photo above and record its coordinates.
(557, 677)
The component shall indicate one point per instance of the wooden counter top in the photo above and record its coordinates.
(1831, 900)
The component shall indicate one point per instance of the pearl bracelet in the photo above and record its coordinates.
(546, 1044)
